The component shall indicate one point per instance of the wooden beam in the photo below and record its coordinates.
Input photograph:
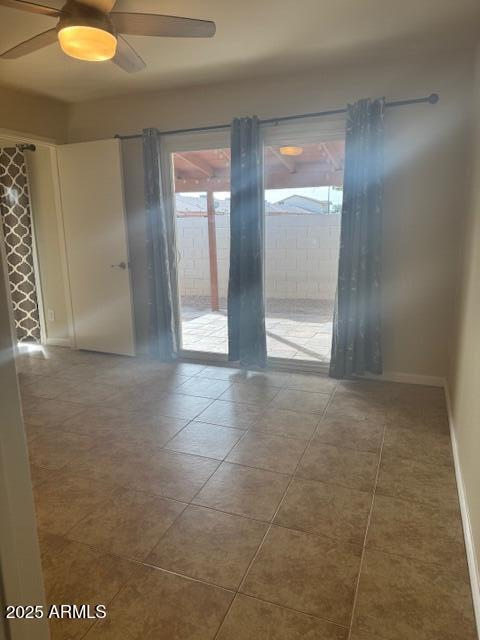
(199, 163)
(329, 155)
(288, 163)
(279, 179)
(212, 251)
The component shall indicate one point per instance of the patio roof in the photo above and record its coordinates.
(320, 164)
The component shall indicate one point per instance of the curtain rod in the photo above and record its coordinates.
(433, 98)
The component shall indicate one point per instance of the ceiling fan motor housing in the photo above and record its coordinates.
(76, 14)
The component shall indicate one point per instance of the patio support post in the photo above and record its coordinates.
(212, 251)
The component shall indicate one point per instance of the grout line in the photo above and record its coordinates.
(364, 545)
(270, 524)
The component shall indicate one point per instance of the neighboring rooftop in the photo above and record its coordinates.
(193, 206)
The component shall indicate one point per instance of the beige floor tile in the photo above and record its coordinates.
(47, 387)
(129, 525)
(356, 406)
(346, 467)
(416, 418)
(268, 377)
(417, 531)
(117, 427)
(310, 382)
(250, 492)
(231, 414)
(401, 598)
(91, 393)
(417, 481)
(159, 605)
(203, 439)
(209, 545)
(40, 367)
(64, 499)
(203, 387)
(287, 423)
(363, 435)
(48, 413)
(75, 573)
(325, 509)
(222, 373)
(39, 475)
(251, 392)
(429, 446)
(267, 451)
(305, 572)
(186, 368)
(305, 401)
(54, 448)
(252, 619)
(176, 405)
(81, 374)
(161, 381)
(167, 473)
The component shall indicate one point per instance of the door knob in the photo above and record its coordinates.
(120, 265)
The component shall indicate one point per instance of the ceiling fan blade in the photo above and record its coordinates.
(32, 7)
(127, 58)
(151, 24)
(102, 5)
(33, 44)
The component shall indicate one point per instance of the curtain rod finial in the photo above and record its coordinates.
(433, 98)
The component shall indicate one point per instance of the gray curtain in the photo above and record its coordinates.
(162, 277)
(356, 345)
(246, 304)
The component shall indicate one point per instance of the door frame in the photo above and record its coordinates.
(51, 144)
(176, 143)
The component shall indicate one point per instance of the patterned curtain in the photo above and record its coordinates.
(18, 240)
(356, 345)
(246, 303)
(163, 325)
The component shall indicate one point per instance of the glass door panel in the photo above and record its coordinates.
(303, 197)
(202, 215)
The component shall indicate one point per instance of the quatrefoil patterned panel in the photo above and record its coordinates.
(17, 231)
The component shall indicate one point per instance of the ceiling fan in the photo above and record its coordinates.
(90, 30)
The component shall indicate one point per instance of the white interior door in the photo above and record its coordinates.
(91, 185)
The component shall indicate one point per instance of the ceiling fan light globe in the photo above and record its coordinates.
(291, 151)
(87, 43)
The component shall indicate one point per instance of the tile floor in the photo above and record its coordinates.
(202, 503)
(296, 329)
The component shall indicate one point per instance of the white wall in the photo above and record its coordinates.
(41, 174)
(301, 256)
(425, 191)
(464, 374)
(33, 115)
(20, 569)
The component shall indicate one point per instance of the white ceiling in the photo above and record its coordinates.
(254, 38)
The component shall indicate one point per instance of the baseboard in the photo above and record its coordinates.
(409, 378)
(473, 567)
(58, 342)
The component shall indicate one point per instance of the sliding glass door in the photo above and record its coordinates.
(201, 174)
(303, 165)
(303, 197)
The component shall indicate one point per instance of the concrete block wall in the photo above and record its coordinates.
(301, 256)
